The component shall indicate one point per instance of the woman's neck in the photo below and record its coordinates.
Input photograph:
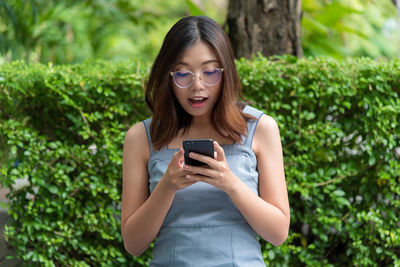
(201, 125)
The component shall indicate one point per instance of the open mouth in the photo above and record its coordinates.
(197, 102)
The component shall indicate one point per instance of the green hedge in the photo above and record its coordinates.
(61, 137)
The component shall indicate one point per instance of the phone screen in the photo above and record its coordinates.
(200, 146)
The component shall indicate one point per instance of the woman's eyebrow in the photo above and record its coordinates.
(210, 61)
(204, 63)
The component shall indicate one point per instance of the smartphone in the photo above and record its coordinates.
(200, 146)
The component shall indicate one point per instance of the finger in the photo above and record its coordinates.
(178, 157)
(199, 178)
(220, 151)
(194, 170)
(205, 159)
(182, 157)
(187, 181)
(211, 162)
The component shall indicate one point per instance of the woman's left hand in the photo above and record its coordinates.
(217, 173)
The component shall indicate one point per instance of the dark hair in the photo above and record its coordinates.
(168, 115)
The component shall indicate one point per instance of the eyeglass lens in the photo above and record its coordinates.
(208, 77)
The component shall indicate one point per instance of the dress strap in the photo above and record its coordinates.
(147, 127)
(251, 124)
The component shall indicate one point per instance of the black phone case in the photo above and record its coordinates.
(200, 146)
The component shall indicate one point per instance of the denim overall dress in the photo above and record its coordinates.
(203, 227)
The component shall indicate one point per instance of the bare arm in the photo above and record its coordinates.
(142, 214)
(269, 213)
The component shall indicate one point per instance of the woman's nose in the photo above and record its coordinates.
(197, 83)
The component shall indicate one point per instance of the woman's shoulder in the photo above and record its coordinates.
(136, 138)
(136, 131)
(266, 134)
(267, 123)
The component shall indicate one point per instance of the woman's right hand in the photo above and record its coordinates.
(174, 177)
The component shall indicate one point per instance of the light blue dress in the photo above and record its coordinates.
(203, 227)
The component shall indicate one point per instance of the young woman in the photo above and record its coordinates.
(202, 215)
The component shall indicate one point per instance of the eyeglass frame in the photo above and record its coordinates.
(199, 74)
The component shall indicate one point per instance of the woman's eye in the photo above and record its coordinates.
(182, 74)
(210, 71)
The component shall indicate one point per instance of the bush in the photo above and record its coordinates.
(62, 128)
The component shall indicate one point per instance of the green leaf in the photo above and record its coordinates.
(194, 10)
(53, 189)
(338, 193)
(343, 201)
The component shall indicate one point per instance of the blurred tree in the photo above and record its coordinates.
(341, 28)
(269, 26)
(71, 31)
(336, 28)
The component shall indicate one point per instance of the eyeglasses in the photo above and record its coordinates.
(209, 77)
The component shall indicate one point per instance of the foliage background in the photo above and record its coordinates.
(63, 129)
(72, 31)
(62, 126)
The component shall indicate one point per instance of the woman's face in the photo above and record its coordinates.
(203, 91)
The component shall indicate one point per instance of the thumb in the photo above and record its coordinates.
(219, 151)
(178, 157)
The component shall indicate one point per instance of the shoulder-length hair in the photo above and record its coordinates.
(168, 116)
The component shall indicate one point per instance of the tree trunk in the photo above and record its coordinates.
(271, 27)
